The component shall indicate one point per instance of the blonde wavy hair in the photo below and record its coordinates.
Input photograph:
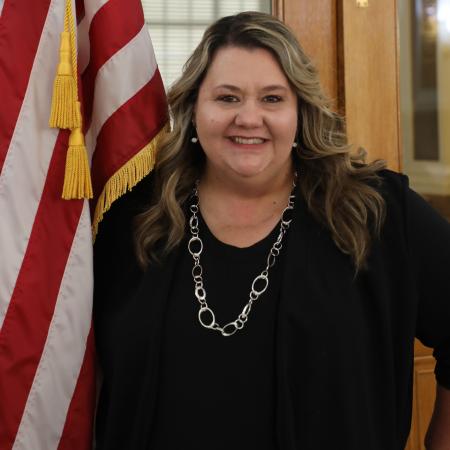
(338, 187)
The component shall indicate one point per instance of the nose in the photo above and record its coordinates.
(249, 115)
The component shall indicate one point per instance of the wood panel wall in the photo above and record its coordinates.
(356, 52)
(315, 25)
(424, 396)
(370, 71)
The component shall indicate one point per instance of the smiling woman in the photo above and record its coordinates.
(264, 285)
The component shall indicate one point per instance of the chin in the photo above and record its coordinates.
(250, 168)
(248, 172)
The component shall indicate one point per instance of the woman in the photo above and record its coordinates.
(262, 288)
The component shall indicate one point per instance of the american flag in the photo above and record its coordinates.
(47, 379)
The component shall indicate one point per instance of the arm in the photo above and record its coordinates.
(429, 238)
(438, 434)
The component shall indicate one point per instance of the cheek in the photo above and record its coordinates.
(210, 132)
(208, 121)
(214, 125)
(286, 128)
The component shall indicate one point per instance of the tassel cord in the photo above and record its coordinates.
(70, 23)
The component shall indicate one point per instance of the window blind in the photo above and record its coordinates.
(177, 26)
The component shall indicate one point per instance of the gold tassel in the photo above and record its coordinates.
(64, 112)
(77, 178)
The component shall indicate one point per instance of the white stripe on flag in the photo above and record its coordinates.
(56, 376)
(114, 86)
(84, 49)
(24, 172)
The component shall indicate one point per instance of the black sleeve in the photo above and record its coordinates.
(429, 243)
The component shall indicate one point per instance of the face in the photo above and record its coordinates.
(246, 115)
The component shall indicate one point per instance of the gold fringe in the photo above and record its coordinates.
(64, 112)
(126, 178)
(77, 178)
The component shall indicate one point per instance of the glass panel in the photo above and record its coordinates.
(425, 80)
(425, 97)
(177, 26)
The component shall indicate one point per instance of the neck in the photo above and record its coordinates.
(233, 208)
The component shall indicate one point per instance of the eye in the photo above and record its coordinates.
(227, 98)
(272, 99)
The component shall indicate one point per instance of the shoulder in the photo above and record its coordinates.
(133, 202)
(394, 188)
(392, 185)
(409, 211)
(123, 210)
(115, 240)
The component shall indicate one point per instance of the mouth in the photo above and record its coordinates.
(247, 140)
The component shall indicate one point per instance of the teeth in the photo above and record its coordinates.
(241, 140)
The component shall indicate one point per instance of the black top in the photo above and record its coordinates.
(343, 346)
(215, 391)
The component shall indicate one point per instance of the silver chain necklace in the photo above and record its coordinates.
(263, 278)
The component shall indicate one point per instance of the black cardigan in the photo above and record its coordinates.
(344, 345)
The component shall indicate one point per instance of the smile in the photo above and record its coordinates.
(242, 140)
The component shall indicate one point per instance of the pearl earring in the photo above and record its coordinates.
(194, 139)
(294, 145)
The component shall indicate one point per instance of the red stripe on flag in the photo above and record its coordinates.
(26, 324)
(122, 136)
(79, 6)
(108, 33)
(21, 26)
(77, 433)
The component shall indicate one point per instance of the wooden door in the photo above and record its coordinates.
(354, 44)
(355, 50)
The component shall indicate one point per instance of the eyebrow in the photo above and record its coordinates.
(272, 87)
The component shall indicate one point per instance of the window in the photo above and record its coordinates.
(177, 26)
(425, 97)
